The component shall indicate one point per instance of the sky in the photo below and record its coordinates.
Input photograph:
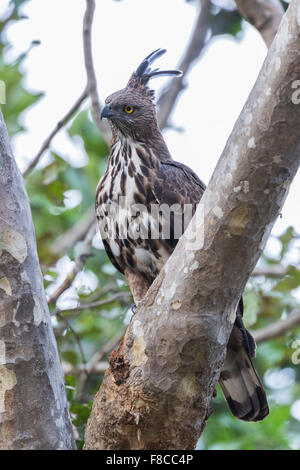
(123, 34)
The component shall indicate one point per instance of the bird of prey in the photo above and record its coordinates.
(141, 174)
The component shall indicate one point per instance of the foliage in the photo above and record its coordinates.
(18, 99)
(82, 334)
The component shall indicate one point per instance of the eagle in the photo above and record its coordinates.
(141, 175)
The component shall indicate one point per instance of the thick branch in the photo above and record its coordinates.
(264, 15)
(157, 392)
(33, 406)
(278, 328)
(168, 98)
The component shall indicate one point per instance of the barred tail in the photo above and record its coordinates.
(240, 383)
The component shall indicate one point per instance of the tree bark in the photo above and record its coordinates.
(264, 15)
(33, 406)
(157, 392)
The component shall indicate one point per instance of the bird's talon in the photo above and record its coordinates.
(133, 308)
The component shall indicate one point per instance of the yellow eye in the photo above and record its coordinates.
(128, 109)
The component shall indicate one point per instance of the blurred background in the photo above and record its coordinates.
(42, 66)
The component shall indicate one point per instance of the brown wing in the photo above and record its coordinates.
(177, 183)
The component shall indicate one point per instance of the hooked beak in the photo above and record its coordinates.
(106, 112)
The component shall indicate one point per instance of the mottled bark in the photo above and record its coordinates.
(264, 15)
(33, 407)
(157, 392)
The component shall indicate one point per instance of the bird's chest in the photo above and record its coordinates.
(124, 206)
(123, 183)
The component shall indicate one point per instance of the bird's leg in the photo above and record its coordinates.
(133, 307)
(138, 285)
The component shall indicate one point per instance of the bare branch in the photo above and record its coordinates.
(95, 365)
(76, 337)
(91, 76)
(76, 233)
(120, 296)
(273, 270)
(169, 96)
(278, 328)
(95, 360)
(264, 15)
(98, 369)
(79, 262)
(57, 128)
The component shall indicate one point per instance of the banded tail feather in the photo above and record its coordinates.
(240, 383)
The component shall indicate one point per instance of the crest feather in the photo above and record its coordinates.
(142, 75)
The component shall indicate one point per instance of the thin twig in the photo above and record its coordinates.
(196, 44)
(76, 233)
(99, 355)
(98, 369)
(90, 71)
(95, 364)
(57, 128)
(120, 296)
(278, 328)
(79, 262)
(77, 339)
(273, 271)
(110, 288)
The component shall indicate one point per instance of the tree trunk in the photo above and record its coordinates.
(157, 392)
(33, 407)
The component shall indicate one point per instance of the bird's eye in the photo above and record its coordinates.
(128, 109)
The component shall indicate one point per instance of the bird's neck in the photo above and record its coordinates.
(153, 143)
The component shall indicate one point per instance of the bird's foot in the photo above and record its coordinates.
(133, 307)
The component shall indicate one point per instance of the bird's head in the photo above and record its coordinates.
(131, 110)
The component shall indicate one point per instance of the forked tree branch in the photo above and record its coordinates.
(264, 15)
(196, 44)
(157, 392)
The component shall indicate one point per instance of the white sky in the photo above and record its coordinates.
(124, 33)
